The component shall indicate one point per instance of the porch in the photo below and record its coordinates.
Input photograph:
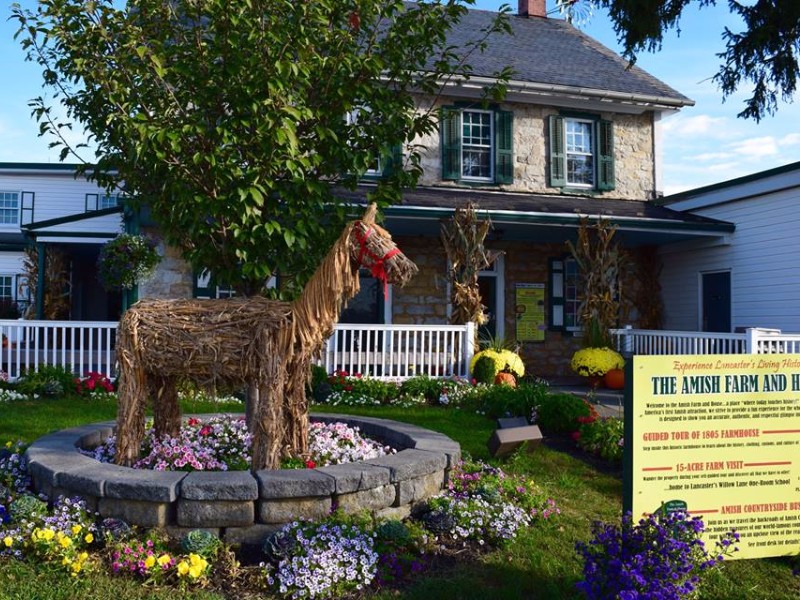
(388, 352)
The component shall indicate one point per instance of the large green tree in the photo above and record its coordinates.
(763, 56)
(230, 118)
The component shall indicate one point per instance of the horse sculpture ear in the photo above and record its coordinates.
(369, 214)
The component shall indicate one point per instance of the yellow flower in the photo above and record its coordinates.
(8, 541)
(76, 568)
(149, 561)
(183, 568)
(89, 538)
(76, 529)
(65, 561)
(8, 444)
(164, 559)
(195, 571)
(65, 542)
(83, 556)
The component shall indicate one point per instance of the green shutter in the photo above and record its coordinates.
(556, 273)
(450, 131)
(605, 158)
(503, 146)
(392, 161)
(558, 154)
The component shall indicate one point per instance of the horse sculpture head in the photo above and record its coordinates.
(372, 248)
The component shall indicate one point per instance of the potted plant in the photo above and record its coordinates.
(594, 363)
(127, 261)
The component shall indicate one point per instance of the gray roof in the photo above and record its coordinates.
(552, 51)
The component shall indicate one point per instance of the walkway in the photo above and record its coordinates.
(608, 403)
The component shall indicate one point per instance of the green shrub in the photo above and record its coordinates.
(504, 401)
(559, 413)
(422, 385)
(602, 437)
(483, 370)
(48, 380)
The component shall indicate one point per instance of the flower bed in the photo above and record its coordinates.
(222, 443)
(240, 506)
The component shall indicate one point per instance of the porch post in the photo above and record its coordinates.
(41, 256)
(469, 346)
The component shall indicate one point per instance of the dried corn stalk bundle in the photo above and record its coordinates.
(463, 236)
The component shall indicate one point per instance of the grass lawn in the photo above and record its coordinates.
(541, 563)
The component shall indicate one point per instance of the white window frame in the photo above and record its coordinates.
(18, 194)
(351, 118)
(490, 145)
(569, 153)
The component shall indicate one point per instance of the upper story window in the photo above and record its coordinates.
(581, 153)
(101, 201)
(477, 145)
(9, 208)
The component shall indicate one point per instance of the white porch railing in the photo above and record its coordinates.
(381, 351)
(755, 340)
(81, 346)
(400, 351)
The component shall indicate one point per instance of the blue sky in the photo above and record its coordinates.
(702, 145)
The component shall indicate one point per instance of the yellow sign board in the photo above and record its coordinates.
(530, 312)
(718, 436)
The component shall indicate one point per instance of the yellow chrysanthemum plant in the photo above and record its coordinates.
(499, 360)
(596, 362)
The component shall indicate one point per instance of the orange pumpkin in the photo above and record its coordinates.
(615, 379)
(503, 378)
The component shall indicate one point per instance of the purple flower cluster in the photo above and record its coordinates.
(14, 468)
(658, 558)
(69, 512)
(330, 559)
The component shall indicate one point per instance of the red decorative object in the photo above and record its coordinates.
(615, 379)
(503, 378)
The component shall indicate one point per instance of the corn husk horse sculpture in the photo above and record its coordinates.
(265, 344)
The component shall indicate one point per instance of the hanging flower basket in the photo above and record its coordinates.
(127, 261)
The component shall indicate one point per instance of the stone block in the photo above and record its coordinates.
(223, 513)
(146, 514)
(294, 483)
(138, 484)
(397, 513)
(373, 499)
(505, 441)
(410, 463)
(419, 488)
(255, 535)
(353, 477)
(219, 485)
(289, 509)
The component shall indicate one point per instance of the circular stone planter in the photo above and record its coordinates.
(243, 507)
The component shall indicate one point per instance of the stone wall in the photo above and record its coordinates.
(424, 300)
(243, 507)
(633, 153)
(172, 278)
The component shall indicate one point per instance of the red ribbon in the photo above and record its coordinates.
(378, 268)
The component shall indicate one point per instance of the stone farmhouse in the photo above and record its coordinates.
(577, 136)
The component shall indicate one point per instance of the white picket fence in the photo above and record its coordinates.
(380, 351)
(755, 340)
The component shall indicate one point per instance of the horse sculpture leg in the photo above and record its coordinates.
(166, 410)
(130, 414)
(268, 435)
